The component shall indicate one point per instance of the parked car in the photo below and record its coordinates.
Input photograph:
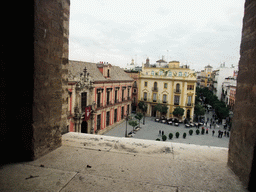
(157, 120)
(187, 125)
(176, 124)
(169, 122)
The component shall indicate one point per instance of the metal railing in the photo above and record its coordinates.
(177, 91)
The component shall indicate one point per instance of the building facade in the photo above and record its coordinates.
(170, 84)
(135, 88)
(104, 90)
(219, 77)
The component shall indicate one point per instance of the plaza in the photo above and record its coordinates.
(150, 131)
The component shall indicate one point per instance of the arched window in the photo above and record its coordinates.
(177, 87)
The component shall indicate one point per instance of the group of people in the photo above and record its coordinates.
(220, 133)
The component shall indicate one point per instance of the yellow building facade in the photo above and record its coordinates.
(171, 84)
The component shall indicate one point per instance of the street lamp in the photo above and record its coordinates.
(126, 118)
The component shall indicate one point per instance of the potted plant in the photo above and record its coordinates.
(177, 134)
(184, 135)
(164, 137)
(190, 132)
(197, 131)
(170, 135)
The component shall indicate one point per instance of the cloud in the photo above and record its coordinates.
(199, 32)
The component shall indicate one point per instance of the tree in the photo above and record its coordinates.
(158, 107)
(179, 112)
(139, 117)
(199, 110)
(161, 108)
(143, 107)
(133, 123)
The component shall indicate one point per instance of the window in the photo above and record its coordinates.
(161, 73)
(177, 87)
(107, 118)
(145, 96)
(128, 109)
(176, 100)
(83, 101)
(155, 86)
(154, 97)
(134, 90)
(190, 87)
(98, 99)
(186, 74)
(145, 83)
(180, 74)
(122, 113)
(108, 73)
(115, 115)
(122, 94)
(108, 95)
(165, 85)
(152, 73)
(169, 74)
(128, 94)
(98, 122)
(189, 100)
(116, 99)
(164, 98)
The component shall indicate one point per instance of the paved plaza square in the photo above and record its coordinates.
(150, 131)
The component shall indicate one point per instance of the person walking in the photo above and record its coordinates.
(213, 132)
(160, 132)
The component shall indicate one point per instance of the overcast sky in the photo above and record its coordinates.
(194, 32)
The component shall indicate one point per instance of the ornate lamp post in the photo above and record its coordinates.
(126, 118)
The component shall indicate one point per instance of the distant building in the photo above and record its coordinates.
(103, 88)
(228, 91)
(169, 84)
(204, 78)
(219, 77)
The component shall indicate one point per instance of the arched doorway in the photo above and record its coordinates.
(84, 127)
(188, 113)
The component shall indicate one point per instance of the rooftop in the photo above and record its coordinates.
(75, 68)
(101, 163)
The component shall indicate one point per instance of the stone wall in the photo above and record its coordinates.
(243, 134)
(50, 74)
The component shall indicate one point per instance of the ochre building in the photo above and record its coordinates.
(169, 84)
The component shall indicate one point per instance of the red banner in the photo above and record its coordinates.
(87, 113)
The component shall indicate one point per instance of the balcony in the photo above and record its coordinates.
(190, 104)
(164, 101)
(177, 91)
(175, 103)
(155, 89)
(99, 105)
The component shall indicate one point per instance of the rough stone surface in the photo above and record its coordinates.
(50, 79)
(101, 163)
(243, 135)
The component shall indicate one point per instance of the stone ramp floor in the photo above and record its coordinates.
(101, 163)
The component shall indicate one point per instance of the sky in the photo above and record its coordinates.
(194, 32)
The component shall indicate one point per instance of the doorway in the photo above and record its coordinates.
(153, 112)
(188, 114)
(84, 127)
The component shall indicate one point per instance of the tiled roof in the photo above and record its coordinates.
(75, 68)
